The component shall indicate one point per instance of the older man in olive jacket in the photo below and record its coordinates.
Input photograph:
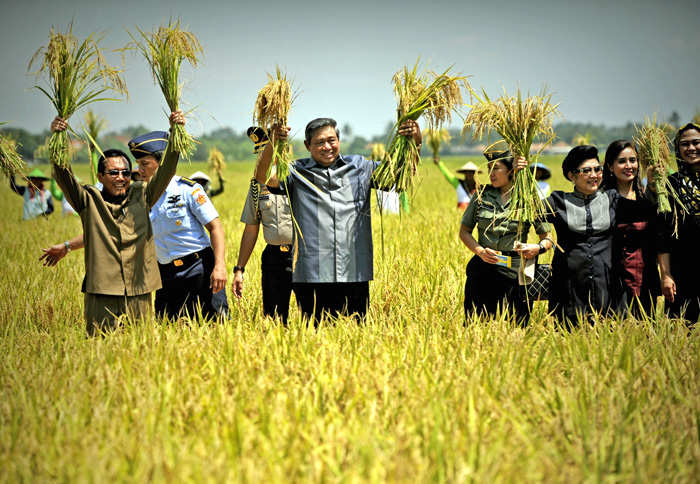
(121, 269)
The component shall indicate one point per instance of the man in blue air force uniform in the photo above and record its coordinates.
(192, 263)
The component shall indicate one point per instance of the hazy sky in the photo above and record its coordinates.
(608, 62)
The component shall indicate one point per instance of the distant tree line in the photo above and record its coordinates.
(237, 146)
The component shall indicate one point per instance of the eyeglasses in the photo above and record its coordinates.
(586, 170)
(116, 173)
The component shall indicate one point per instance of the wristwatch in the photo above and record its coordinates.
(238, 269)
(68, 247)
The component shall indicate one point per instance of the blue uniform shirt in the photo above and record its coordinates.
(178, 219)
(332, 208)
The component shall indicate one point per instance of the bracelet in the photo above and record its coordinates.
(68, 247)
(238, 269)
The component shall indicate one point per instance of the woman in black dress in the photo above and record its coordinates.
(680, 267)
(583, 279)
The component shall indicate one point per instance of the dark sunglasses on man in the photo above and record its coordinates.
(116, 173)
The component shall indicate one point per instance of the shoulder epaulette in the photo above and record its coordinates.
(187, 181)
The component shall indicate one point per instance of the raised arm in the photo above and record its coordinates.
(156, 187)
(64, 177)
(263, 166)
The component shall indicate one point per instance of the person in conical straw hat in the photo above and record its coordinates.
(37, 198)
(464, 185)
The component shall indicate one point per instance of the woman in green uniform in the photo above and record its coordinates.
(492, 276)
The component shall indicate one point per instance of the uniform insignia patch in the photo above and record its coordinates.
(201, 199)
(187, 181)
(195, 191)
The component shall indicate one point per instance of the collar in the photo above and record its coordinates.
(115, 200)
(580, 195)
(310, 162)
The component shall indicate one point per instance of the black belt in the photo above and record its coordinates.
(186, 261)
(281, 248)
(510, 253)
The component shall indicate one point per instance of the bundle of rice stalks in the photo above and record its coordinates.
(165, 49)
(93, 125)
(77, 74)
(271, 109)
(653, 145)
(378, 151)
(217, 162)
(435, 138)
(519, 122)
(433, 96)
(582, 139)
(10, 161)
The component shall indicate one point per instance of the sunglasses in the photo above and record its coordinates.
(116, 173)
(586, 170)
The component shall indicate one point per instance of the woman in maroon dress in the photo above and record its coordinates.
(638, 234)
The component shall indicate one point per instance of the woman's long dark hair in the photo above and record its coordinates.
(611, 154)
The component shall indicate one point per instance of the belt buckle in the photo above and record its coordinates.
(284, 248)
(178, 262)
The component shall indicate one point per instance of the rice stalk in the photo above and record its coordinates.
(519, 122)
(217, 162)
(582, 139)
(93, 125)
(165, 49)
(77, 75)
(430, 95)
(272, 107)
(378, 151)
(653, 145)
(10, 161)
(435, 138)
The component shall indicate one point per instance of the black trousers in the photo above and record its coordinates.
(489, 288)
(276, 281)
(333, 299)
(187, 286)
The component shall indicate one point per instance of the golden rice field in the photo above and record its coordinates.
(411, 395)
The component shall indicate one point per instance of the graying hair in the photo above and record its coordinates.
(319, 123)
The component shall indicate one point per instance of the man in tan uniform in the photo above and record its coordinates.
(272, 211)
(121, 269)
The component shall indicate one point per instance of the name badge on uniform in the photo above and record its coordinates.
(504, 260)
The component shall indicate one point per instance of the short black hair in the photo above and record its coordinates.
(576, 156)
(113, 153)
(317, 124)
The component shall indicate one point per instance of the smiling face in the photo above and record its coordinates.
(147, 167)
(324, 146)
(625, 166)
(689, 147)
(587, 183)
(499, 174)
(115, 185)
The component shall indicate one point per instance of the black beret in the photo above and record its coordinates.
(578, 155)
(503, 156)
